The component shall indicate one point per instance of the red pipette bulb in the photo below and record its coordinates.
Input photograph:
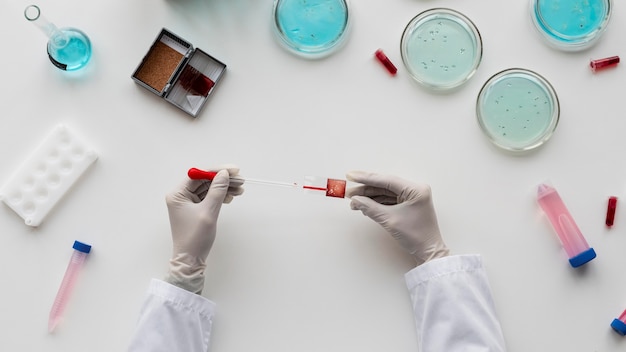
(197, 174)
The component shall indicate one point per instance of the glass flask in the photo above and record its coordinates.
(68, 48)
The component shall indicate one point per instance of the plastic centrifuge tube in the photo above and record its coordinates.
(330, 187)
(67, 285)
(570, 236)
(619, 324)
(68, 48)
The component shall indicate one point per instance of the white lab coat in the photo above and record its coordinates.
(452, 303)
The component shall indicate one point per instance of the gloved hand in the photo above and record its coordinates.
(403, 208)
(193, 211)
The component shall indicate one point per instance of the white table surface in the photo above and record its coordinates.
(293, 272)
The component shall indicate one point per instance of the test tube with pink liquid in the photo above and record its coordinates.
(67, 285)
(619, 324)
(568, 232)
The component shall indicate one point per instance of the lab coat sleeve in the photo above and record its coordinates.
(173, 319)
(453, 306)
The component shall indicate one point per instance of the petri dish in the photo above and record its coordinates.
(311, 28)
(570, 25)
(517, 109)
(441, 48)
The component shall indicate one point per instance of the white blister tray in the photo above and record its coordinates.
(42, 180)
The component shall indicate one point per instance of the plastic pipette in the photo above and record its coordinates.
(67, 285)
(332, 187)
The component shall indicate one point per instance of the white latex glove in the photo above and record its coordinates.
(193, 211)
(403, 208)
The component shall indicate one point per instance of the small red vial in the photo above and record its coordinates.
(610, 211)
(385, 61)
(601, 64)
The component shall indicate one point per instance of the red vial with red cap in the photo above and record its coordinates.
(610, 211)
(380, 55)
(601, 64)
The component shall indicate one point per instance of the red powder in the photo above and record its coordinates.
(335, 188)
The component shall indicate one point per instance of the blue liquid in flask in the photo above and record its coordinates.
(74, 51)
(311, 27)
(69, 49)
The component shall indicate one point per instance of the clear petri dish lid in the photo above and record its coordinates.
(517, 109)
(311, 28)
(570, 25)
(441, 48)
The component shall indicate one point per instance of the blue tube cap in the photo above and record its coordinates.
(619, 326)
(582, 258)
(81, 247)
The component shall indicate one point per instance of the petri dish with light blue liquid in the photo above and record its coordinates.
(570, 25)
(311, 28)
(441, 48)
(517, 109)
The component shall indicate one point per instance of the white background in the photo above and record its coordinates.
(293, 272)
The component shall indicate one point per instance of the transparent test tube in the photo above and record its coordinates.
(67, 285)
(570, 236)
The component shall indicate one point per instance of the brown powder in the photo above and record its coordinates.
(158, 66)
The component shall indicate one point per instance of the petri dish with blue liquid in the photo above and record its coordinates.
(311, 28)
(517, 109)
(441, 48)
(570, 25)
